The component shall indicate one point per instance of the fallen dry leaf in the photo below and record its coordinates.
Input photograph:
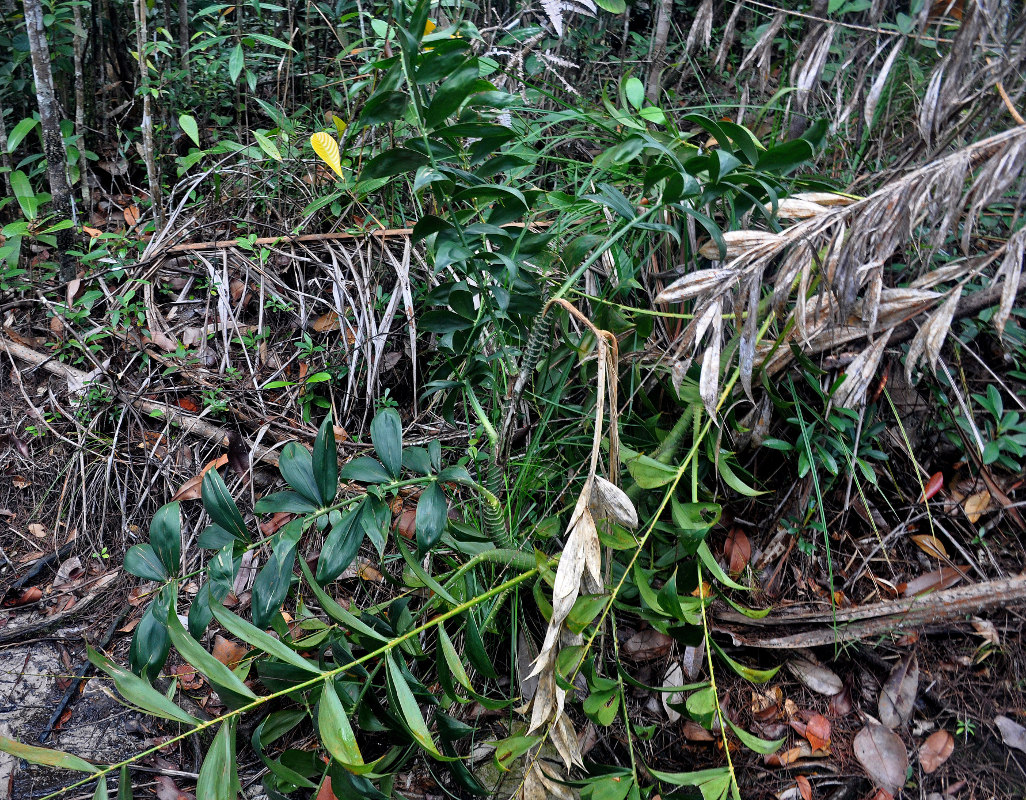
(931, 545)
(898, 695)
(932, 486)
(29, 595)
(1012, 733)
(694, 732)
(192, 488)
(674, 677)
(67, 572)
(937, 748)
(326, 322)
(167, 790)
(19, 482)
(37, 530)
(738, 551)
(943, 578)
(647, 645)
(817, 731)
(840, 704)
(785, 758)
(131, 214)
(975, 505)
(883, 756)
(815, 676)
(228, 652)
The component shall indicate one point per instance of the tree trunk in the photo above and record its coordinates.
(149, 156)
(183, 38)
(657, 56)
(80, 128)
(53, 143)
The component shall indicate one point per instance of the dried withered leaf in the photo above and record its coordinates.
(930, 545)
(674, 677)
(817, 731)
(784, 758)
(1009, 272)
(975, 504)
(796, 208)
(694, 284)
(883, 756)
(737, 550)
(609, 501)
(859, 374)
(1012, 733)
(828, 199)
(228, 652)
(738, 243)
(814, 676)
(930, 338)
(937, 748)
(873, 98)
(943, 578)
(898, 694)
(564, 739)
(647, 645)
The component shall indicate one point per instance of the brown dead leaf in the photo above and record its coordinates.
(37, 530)
(228, 652)
(32, 594)
(694, 732)
(883, 756)
(325, 792)
(19, 482)
(738, 551)
(816, 677)
(785, 758)
(804, 787)
(937, 748)
(67, 572)
(131, 214)
(188, 677)
(817, 731)
(931, 545)
(167, 790)
(191, 489)
(840, 704)
(326, 322)
(975, 505)
(898, 694)
(93, 232)
(647, 645)
(407, 525)
(943, 578)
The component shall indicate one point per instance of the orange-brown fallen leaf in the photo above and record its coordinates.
(228, 652)
(191, 489)
(937, 748)
(943, 578)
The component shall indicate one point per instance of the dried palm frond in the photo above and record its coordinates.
(848, 247)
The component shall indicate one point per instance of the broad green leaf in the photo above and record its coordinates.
(166, 536)
(334, 610)
(386, 432)
(335, 731)
(267, 145)
(510, 749)
(382, 108)
(45, 757)
(325, 461)
(189, 126)
(584, 611)
(475, 648)
(602, 706)
(19, 132)
(649, 473)
(393, 162)
(612, 6)
(452, 659)
(753, 742)
(748, 673)
(150, 640)
(23, 192)
(219, 504)
(232, 690)
(291, 502)
(364, 469)
(408, 707)
(272, 582)
(733, 481)
(451, 94)
(261, 640)
(125, 785)
(101, 789)
(701, 705)
(236, 61)
(634, 91)
(417, 460)
(341, 546)
(425, 578)
(432, 516)
(218, 777)
(713, 566)
(138, 692)
(296, 465)
(142, 561)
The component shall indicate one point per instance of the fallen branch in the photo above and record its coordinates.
(189, 423)
(875, 619)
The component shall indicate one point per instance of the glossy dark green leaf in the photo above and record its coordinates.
(289, 502)
(214, 537)
(296, 465)
(417, 460)
(218, 777)
(166, 536)
(451, 94)
(221, 507)
(475, 648)
(365, 470)
(432, 516)
(233, 692)
(335, 731)
(142, 561)
(383, 107)
(375, 518)
(393, 162)
(386, 432)
(785, 157)
(150, 640)
(325, 461)
(138, 692)
(412, 716)
(341, 546)
(271, 585)
(261, 640)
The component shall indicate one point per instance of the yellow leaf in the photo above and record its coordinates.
(930, 545)
(327, 148)
(975, 505)
(428, 27)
